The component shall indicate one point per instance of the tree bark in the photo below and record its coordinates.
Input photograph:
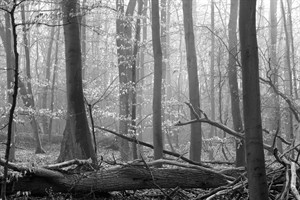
(124, 51)
(196, 135)
(233, 83)
(256, 173)
(117, 178)
(274, 117)
(77, 140)
(26, 90)
(157, 88)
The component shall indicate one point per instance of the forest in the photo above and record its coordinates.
(149, 99)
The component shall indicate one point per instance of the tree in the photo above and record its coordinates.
(196, 135)
(77, 140)
(274, 117)
(251, 102)
(212, 77)
(26, 88)
(157, 88)
(124, 51)
(233, 84)
(6, 36)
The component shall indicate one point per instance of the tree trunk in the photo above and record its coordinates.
(288, 82)
(77, 140)
(134, 79)
(140, 78)
(6, 36)
(124, 51)
(233, 83)
(212, 79)
(45, 88)
(54, 81)
(117, 178)
(256, 173)
(274, 117)
(157, 88)
(26, 90)
(196, 135)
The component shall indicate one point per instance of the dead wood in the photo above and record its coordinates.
(133, 176)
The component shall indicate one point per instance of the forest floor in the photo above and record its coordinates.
(25, 155)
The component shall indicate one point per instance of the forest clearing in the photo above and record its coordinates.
(149, 99)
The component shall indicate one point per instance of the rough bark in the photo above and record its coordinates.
(196, 135)
(233, 84)
(157, 88)
(117, 178)
(77, 140)
(256, 173)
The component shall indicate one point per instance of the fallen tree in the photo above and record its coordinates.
(80, 177)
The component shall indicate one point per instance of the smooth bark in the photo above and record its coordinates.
(233, 83)
(77, 140)
(157, 88)
(258, 189)
(194, 96)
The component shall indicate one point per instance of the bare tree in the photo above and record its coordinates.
(196, 135)
(157, 88)
(77, 140)
(256, 173)
(233, 83)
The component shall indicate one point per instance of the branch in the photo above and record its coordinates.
(151, 146)
(222, 127)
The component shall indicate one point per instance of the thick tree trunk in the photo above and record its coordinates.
(77, 140)
(256, 173)
(196, 135)
(118, 178)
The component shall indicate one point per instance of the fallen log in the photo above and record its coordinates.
(40, 180)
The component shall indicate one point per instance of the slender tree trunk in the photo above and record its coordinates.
(10, 14)
(233, 83)
(157, 88)
(77, 139)
(134, 80)
(196, 135)
(83, 41)
(212, 78)
(274, 118)
(28, 98)
(7, 41)
(141, 74)
(45, 88)
(292, 46)
(124, 50)
(163, 34)
(288, 85)
(54, 80)
(258, 189)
